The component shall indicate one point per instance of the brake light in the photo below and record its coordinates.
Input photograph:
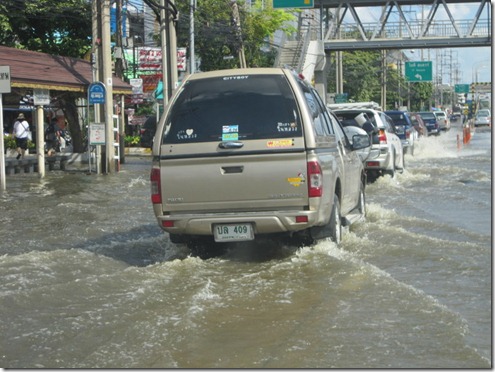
(382, 137)
(408, 134)
(315, 180)
(156, 195)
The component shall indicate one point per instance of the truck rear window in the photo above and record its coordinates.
(233, 108)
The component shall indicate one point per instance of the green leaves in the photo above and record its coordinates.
(60, 27)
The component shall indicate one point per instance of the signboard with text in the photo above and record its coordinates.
(96, 93)
(419, 71)
(97, 134)
(41, 97)
(462, 88)
(5, 86)
(293, 4)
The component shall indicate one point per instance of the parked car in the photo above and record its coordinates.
(419, 124)
(386, 155)
(431, 122)
(404, 128)
(482, 118)
(147, 132)
(248, 153)
(443, 120)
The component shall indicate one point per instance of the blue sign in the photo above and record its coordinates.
(96, 93)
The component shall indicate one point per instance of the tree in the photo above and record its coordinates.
(362, 79)
(216, 40)
(61, 27)
(362, 74)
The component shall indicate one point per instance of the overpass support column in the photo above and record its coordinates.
(321, 71)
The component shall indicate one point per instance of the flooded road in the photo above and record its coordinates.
(88, 280)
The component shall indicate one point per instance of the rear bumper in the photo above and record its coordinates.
(378, 159)
(262, 222)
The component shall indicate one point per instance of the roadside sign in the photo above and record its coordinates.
(461, 88)
(5, 86)
(96, 93)
(97, 133)
(419, 71)
(41, 97)
(293, 4)
(341, 98)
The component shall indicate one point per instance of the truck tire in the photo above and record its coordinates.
(336, 221)
(391, 172)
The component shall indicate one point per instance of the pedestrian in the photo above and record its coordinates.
(21, 133)
(52, 137)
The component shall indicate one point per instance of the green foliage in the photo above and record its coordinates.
(60, 27)
(131, 141)
(9, 142)
(216, 42)
(145, 110)
(362, 81)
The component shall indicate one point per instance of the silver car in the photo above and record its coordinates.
(247, 153)
(482, 117)
(387, 154)
(442, 120)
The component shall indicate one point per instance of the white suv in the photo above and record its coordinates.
(387, 154)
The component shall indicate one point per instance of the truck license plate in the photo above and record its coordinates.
(233, 232)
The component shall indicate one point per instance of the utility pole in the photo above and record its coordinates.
(95, 64)
(108, 161)
(236, 20)
(192, 61)
(164, 46)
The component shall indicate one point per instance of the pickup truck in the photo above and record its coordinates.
(246, 153)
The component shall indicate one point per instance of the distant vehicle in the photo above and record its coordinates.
(248, 153)
(405, 129)
(443, 120)
(147, 132)
(419, 124)
(482, 118)
(386, 155)
(487, 111)
(431, 122)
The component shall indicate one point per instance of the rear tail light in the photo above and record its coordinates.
(408, 134)
(315, 180)
(156, 195)
(382, 137)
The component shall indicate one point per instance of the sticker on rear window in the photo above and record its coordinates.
(230, 133)
(286, 127)
(280, 143)
(186, 134)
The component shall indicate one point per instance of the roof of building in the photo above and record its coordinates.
(30, 69)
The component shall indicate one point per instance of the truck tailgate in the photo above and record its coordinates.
(250, 182)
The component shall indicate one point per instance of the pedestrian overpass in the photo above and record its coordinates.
(401, 27)
(333, 26)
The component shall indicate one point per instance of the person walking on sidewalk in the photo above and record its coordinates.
(21, 134)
